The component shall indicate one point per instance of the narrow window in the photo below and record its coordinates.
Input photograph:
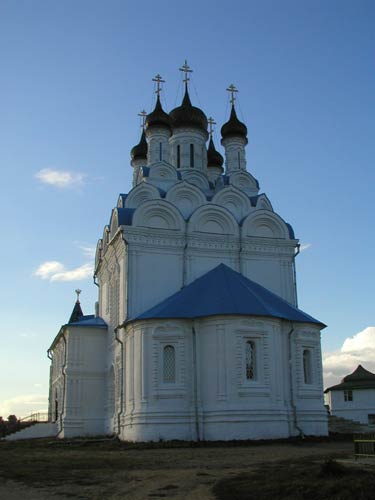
(169, 365)
(239, 160)
(192, 155)
(111, 392)
(348, 395)
(178, 156)
(56, 407)
(250, 360)
(307, 366)
(160, 151)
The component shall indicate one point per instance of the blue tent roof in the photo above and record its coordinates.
(223, 291)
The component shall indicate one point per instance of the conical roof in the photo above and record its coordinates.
(188, 115)
(359, 374)
(223, 291)
(158, 117)
(233, 127)
(214, 158)
(139, 152)
(77, 313)
(359, 379)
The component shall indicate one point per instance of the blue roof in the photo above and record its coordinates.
(223, 291)
(290, 231)
(89, 320)
(122, 196)
(125, 216)
(254, 200)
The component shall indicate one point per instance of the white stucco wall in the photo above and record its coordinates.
(211, 398)
(362, 405)
(81, 382)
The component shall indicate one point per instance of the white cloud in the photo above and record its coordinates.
(53, 270)
(356, 350)
(23, 405)
(60, 178)
(304, 246)
(56, 271)
(87, 250)
(76, 274)
(48, 269)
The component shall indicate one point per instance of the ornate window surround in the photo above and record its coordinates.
(259, 385)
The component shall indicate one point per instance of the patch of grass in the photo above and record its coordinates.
(302, 480)
(331, 468)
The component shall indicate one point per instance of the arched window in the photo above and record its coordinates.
(192, 155)
(178, 156)
(250, 359)
(169, 365)
(306, 356)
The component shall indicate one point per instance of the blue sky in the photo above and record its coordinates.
(75, 74)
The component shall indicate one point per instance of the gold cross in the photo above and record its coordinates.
(143, 115)
(158, 79)
(232, 89)
(211, 123)
(186, 69)
(78, 291)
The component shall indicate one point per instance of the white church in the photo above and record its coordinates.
(197, 334)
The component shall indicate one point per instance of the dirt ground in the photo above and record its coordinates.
(47, 470)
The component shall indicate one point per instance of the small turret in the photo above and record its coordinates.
(214, 159)
(158, 129)
(189, 127)
(158, 117)
(139, 154)
(139, 151)
(234, 139)
(233, 127)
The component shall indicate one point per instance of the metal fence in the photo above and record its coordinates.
(364, 445)
(36, 417)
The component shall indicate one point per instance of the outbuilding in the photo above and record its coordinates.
(354, 397)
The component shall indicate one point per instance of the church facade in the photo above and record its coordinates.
(197, 334)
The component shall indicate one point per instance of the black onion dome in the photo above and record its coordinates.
(158, 117)
(214, 158)
(187, 115)
(139, 152)
(233, 127)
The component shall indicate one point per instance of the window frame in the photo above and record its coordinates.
(163, 364)
(307, 368)
(348, 395)
(253, 354)
(258, 374)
